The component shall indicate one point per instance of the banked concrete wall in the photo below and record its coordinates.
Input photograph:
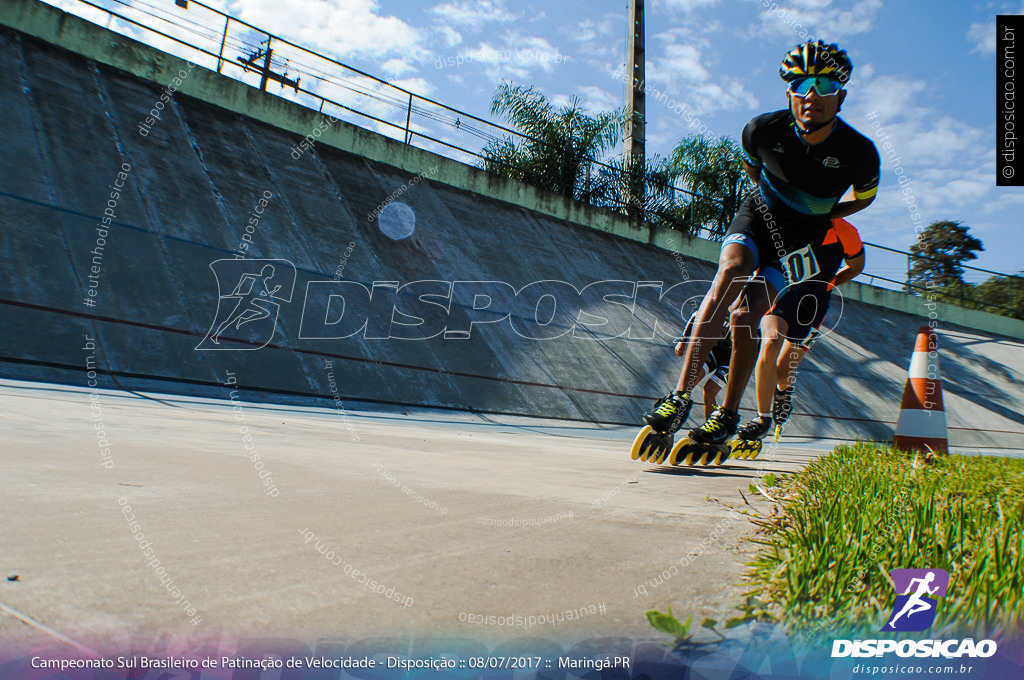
(192, 184)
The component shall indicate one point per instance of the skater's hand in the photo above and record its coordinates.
(680, 347)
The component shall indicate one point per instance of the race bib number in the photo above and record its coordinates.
(800, 265)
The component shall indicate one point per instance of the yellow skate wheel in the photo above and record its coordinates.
(678, 453)
(755, 450)
(722, 455)
(652, 451)
(778, 432)
(640, 443)
(648, 449)
(736, 449)
(707, 455)
(664, 448)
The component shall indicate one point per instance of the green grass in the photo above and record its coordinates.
(848, 518)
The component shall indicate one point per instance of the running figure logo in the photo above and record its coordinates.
(247, 316)
(914, 610)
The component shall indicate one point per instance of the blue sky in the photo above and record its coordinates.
(927, 68)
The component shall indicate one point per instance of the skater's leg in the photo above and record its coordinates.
(711, 390)
(773, 328)
(734, 266)
(757, 298)
(789, 358)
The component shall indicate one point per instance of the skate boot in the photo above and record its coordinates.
(670, 413)
(782, 407)
(654, 441)
(748, 440)
(709, 442)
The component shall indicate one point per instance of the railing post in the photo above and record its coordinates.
(408, 119)
(223, 39)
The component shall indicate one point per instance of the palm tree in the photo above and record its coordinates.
(557, 145)
(651, 185)
(713, 175)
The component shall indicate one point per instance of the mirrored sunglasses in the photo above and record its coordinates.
(824, 87)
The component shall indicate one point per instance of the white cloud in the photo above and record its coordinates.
(585, 31)
(596, 99)
(683, 61)
(682, 72)
(600, 40)
(417, 85)
(515, 58)
(983, 37)
(473, 13)
(340, 28)
(688, 5)
(949, 163)
(450, 36)
(397, 67)
(917, 131)
(891, 97)
(982, 34)
(819, 20)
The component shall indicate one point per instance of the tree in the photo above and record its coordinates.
(650, 186)
(938, 255)
(557, 144)
(712, 172)
(1001, 295)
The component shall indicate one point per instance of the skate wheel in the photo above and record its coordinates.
(778, 432)
(721, 456)
(708, 455)
(664, 448)
(640, 443)
(648, 448)
(678, 454)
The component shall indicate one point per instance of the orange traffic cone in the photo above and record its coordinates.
(922, 422)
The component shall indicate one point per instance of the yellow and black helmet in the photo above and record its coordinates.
(816, 59)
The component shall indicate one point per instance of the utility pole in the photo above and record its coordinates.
(636, 128)
(249, 62)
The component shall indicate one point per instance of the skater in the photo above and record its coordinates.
(797, 314)
(713, 377)
(803, 159)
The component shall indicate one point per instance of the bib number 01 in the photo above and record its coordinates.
(800, 265)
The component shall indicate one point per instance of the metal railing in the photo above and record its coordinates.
(901, 262)
(237, 49)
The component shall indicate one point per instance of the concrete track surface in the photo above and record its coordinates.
(461, 513)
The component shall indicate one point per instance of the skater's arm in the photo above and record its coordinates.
(752, 172)
(854, 266)
(847, 208)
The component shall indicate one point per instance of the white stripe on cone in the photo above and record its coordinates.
(919, 367)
